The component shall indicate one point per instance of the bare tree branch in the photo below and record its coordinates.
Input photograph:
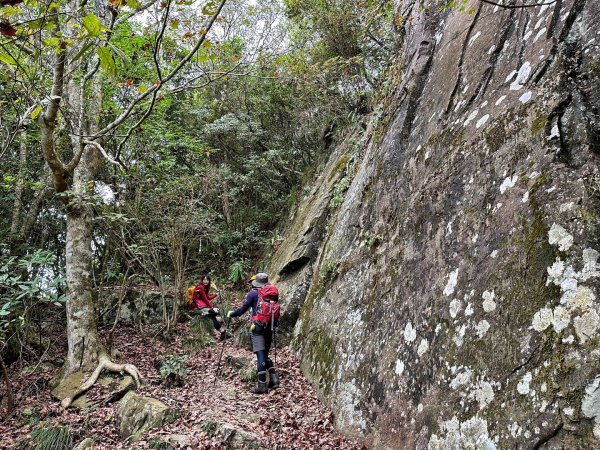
(106, 155)
(126, 114)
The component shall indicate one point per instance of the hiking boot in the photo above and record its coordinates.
(261, 388)
(273, 379)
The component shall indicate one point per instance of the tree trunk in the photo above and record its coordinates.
(18, 203)
(82, 331)
(84, 345)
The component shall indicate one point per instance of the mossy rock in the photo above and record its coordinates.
(238, 438)
(68, 386)
(201, 330)
(137, 414)
(86, 444)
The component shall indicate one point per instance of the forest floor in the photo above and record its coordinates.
(291, 417)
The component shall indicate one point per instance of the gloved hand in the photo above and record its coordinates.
(229, 314)
(252, 327)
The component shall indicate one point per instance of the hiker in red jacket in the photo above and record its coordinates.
(202, 302)
(201, 294)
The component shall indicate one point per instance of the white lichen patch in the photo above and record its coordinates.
(423, 347)
(566, 207)
(488, 301)
(471, 117)
(348, 398)
(590, 261)
(410, 334)
(523, 385)
(510, 76)
(483, 393)
(451, 284)
(583, 299)
(561, 318)
(542, 319)
(449, 229)
(399, 367)
(459, 337)
(555, 272)
(481, 122)
(525, 97)
(522, 76)
(461, 379)
(470, 435)
(586, 325)
(539, 35)
(469, 310)
(590, 405)
(482, 328)
(508, 183)
(455, 307)
(354, 318)
(560, 237)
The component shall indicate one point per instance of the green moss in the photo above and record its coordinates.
(200, 335)
(320, 359)
(340, 166)
(539, 123)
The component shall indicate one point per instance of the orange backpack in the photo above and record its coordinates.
(189, 295)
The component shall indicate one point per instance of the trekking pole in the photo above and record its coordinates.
(222, 346)
(273, 333)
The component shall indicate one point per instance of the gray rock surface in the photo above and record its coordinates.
(137, 414)
(238, 438)
(86, 444)
(442, 274)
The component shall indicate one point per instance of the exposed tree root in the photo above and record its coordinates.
(104, 362)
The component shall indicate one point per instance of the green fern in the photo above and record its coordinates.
(237, 271)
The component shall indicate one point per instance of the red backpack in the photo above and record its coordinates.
(267, 310)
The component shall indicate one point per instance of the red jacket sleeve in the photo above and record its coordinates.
(202, 300)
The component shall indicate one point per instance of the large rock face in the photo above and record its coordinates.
(444, 269)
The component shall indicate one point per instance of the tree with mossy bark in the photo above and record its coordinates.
(63, 53)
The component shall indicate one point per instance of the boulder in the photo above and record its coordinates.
(119, 388)
(179, 440)
(238, 438)
(68, 386)
(137, 414)
(86, 444)
(244, 365)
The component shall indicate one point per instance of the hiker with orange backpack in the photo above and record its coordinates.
(201, 301)
(263, 299)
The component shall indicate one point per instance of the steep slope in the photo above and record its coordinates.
(442, 274)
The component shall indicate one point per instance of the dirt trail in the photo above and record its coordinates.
(291, 417)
